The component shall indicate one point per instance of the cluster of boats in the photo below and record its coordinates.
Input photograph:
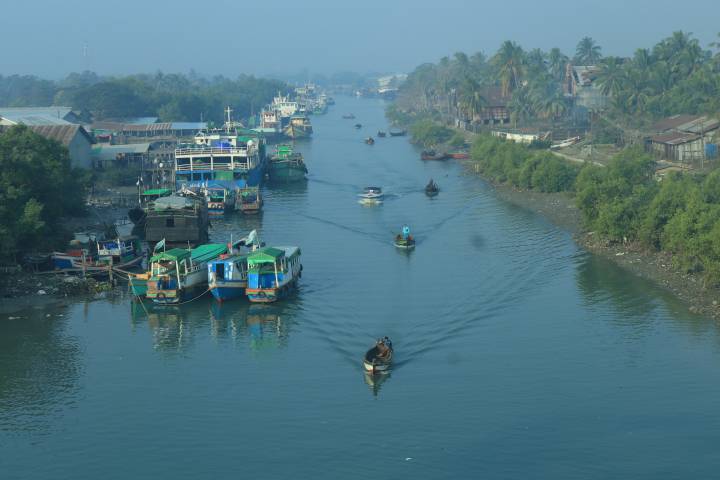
(289, 117)
(245, 268)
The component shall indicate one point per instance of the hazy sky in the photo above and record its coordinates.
(46, 37)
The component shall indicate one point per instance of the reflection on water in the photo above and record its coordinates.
(375, 381)
(40, 364)
(261, 327)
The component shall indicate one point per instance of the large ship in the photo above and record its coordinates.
(232, 157)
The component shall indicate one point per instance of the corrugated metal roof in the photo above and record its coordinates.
(672, 122)
(62, 133)
(110, 152)
(674, 138)
(53, 111)
(35, 119)
(189, 125)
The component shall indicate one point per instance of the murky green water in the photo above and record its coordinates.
(518, 356)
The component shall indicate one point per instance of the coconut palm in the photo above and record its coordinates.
(510, 64)
(587, 52)
(611, 76)
(471, 101)
(556, 63)
(521, 106)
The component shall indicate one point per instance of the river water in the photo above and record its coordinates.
(518, 355)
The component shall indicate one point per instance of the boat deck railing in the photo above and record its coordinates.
(203, 150)
(242, 166)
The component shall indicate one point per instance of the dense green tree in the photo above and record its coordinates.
(38, 188)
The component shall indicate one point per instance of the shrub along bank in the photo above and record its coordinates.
(623, 201)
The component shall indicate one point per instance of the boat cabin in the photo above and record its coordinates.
(272, 267)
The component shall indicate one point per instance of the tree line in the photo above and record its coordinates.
(171, 97)
(624, 201)
(675, 76)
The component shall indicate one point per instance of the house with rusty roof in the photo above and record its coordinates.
(684, 138)
(581, 87)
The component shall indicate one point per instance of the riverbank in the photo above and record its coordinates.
(657, 267)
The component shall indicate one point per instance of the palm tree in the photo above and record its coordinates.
(556, 63)
(611, 77)
(521, 106)
(470, 99)
(536, 63)
(587, 52)
(510, 64)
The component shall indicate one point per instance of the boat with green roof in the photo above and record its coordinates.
(286, 165)
(178, 275)
(273, 273)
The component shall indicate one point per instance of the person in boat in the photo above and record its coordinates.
(431, 185)
(405, 232)
(386, 341)
(382, 349)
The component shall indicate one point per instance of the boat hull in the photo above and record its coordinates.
(223, 291)
(372, 364)
(138, 286)
(269, 295)
(280, 173)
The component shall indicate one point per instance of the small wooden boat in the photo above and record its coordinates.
(248, 200)
(404, 240)
(459, 155)
(432, 189)
(433, 155)
(348, 116)
(379, 358)
(381, 134)
(370, 141)
(358, 125)
(398, 133)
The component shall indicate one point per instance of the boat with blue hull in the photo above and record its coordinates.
(273, 273)
(231, 156)
(228, 275)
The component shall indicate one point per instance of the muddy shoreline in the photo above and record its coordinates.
(657, 267)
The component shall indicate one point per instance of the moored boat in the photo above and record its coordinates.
(459, 155)
(299, 126)
(381, 134)
(286, 165)
(219, 199)
(379, 358)
(249, 200)
(398, 133)
(273, 273)
(404, 240)
(178, 220)
(178, 274)
(433, 155)
(121, 252)
(227, 275)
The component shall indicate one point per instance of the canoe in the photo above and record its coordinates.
(370, 140)
(396, 133)
(431, 155)
(373, 364)
(381, 134)
(459, 155)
